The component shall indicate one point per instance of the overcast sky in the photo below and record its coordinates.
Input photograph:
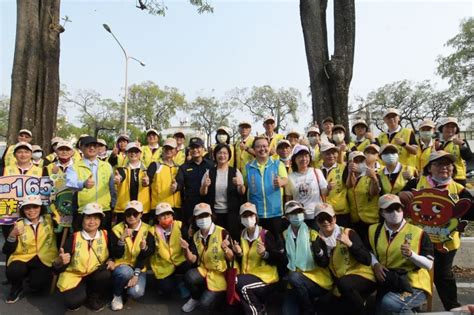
(243, 44)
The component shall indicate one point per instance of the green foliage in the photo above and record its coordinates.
(208, 114)
(262, 101)
(99, 117)
(156, 7)
(458, 67)
(152, 107)
(4, 107)
(416, 101)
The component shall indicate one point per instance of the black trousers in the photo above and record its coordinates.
(444, 279)
(38, 274)
(253, 293)
(230, 222)
(354, 291)
(344, 220)
(92, 287)
(169, 284)
(275, 226)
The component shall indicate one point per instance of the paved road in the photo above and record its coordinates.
(151, 303)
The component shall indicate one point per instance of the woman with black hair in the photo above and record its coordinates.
(31, 248)
(305, 184)
(223, 188)
(83, 263)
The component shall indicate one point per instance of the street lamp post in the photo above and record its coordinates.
(127, 57)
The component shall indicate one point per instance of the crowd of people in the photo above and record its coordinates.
(312, 215)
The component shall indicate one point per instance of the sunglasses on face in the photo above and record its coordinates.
(323, 218)
(392, 208)
(132, 213)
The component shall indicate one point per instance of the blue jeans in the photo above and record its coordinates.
(401, 303)
(304, 291)
(120, 277)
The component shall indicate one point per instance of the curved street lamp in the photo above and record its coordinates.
(127, 57)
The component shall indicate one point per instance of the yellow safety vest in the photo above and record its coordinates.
(400, 182)
(180, 157)
(342, 263)
(211, 260)
(161, 186)
(454, 190)
(31, 244)
(51, 157)
(361, 147)
(123, 192)
(423, 156)
(12, 169)
(85, 260)
(132, 247)
(100, 193)
(337, 197)
(321, 276)
(390, 255)
(168, 255)
(460, 164)
(254, 264)
(405, 157)
(122, 160)
(273, 144)
(243, 157)
(317, 161)
(363, 206)
(148, 156)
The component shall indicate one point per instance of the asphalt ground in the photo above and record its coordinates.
(152, 303)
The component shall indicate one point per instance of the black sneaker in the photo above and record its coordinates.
(14, 295)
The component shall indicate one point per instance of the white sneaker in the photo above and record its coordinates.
(117, 303)
(190, 305)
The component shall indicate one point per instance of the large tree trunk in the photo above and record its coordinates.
(35, 75)
(329, 78)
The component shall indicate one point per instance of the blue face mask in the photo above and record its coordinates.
(296, 219)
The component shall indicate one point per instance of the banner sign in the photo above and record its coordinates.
(14, 188)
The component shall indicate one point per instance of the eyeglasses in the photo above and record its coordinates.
(132, 213)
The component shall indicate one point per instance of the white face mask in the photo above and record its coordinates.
(37, 155)
(394, 217)
(222, 138)
(312, 140)
(296, 219)
(426, 135)
(338, 137)
(390, 158)
(249, 222)
(361, 167)
(204, 223)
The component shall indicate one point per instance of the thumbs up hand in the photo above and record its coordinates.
(143, 244)
(55, 169)
(89, 183)
(17, 230)
(126, 233)
(261, 248)
(277, 183)
(236, 248)
(344, 238)
(117, 177)
(405, 248)
(64, 258)
(225, 243)
(207, 181)
(174, 186)
(145, 180)
(237, 180)
(406, 175)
